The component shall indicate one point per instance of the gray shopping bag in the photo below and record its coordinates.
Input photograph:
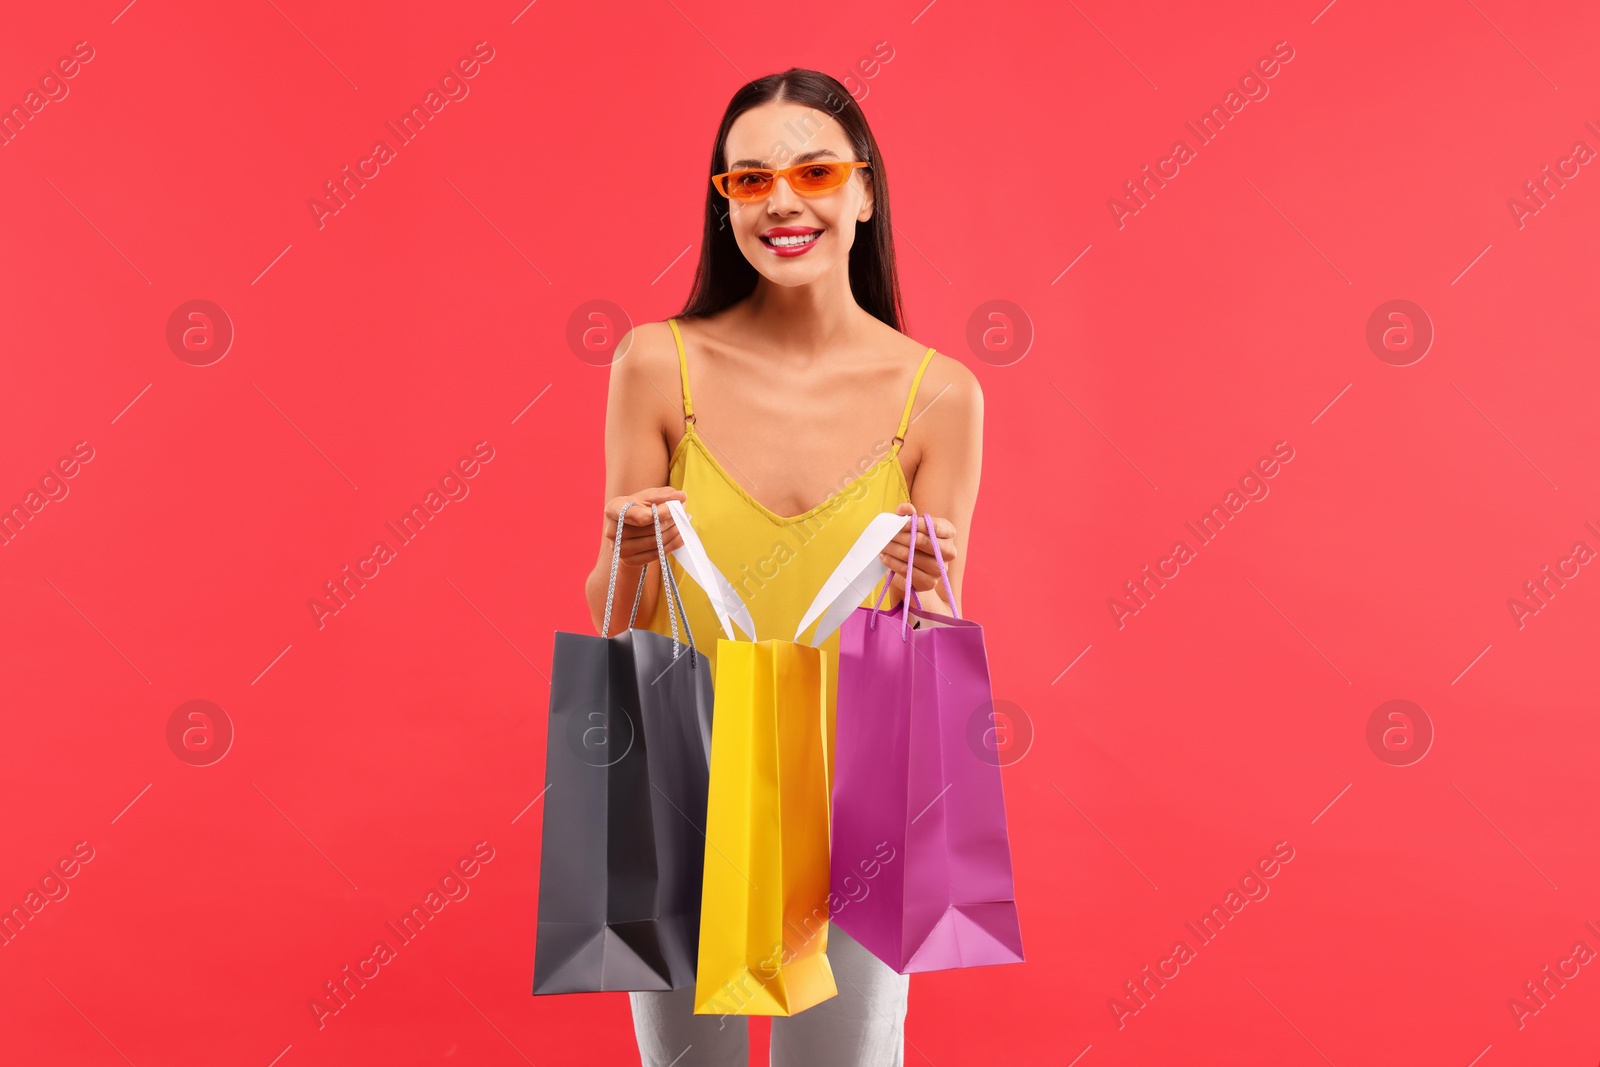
(626, 771)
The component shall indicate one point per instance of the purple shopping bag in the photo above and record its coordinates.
(921, 859)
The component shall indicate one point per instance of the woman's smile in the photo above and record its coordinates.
(790, 240)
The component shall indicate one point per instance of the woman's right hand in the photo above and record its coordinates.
(639, 531)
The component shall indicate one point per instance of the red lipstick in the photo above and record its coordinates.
(791, 240)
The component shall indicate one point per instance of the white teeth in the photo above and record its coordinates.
(790, 242)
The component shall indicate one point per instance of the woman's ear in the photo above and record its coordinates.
(866, 195)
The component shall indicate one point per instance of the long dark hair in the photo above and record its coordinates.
(724, 277)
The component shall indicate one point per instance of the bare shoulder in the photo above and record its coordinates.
(647, 350)
(645, 389)
(949, 395)
(646, 366)
(950, 378)
(946, 417)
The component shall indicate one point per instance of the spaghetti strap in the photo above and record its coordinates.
(905, 417)
(683, 373)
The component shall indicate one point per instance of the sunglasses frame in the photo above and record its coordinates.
(719, 182)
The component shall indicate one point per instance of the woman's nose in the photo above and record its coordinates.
(783, 200)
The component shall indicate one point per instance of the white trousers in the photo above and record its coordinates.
(864, 1026)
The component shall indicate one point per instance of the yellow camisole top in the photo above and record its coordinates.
(777, 563)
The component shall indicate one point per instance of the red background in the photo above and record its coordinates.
(1229, 313)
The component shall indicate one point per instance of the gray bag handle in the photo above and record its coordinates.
(669, 585)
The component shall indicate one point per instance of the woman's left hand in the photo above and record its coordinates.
(925, 572)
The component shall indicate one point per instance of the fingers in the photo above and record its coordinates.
(944, 528)
(925, 573)
(659, 495)
(639, 539)
(644, 498)
(639, 513)
(900, 553)
(901, 546)
(643, 538)
(922, 583)
(670, 536)
(947, 545)
(639, 547)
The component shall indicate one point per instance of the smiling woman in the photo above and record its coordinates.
(792, 338)
(828, 127)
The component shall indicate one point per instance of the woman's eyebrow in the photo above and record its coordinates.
(804, 157)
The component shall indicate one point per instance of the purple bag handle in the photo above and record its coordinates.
(911, 560)
(944, 575)
(888, 580)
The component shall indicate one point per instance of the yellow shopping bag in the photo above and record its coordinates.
(764, 904)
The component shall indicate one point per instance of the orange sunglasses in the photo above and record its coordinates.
(807, 179)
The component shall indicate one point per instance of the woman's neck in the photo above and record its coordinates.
(805, 319)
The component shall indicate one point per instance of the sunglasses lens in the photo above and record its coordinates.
(814, 178)
(748, 184)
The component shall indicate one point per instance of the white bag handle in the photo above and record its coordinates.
(692, 557)
(854, 579)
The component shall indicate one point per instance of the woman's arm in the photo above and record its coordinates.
(641, 403)
(945, 484)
